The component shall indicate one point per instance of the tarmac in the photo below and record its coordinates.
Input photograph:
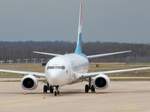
(125, 96)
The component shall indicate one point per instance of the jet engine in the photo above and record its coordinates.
(29, 82)
(101, 81)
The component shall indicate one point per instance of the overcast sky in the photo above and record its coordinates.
(105, 20)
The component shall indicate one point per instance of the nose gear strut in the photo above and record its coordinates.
(56, 90)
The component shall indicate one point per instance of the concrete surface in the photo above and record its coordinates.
(120, 97)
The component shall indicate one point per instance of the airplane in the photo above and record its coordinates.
(66, 69)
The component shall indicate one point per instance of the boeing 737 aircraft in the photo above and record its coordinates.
(70, 68)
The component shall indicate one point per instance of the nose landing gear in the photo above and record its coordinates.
(52, 89)
(56, 90)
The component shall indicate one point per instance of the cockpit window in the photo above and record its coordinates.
(56, 67)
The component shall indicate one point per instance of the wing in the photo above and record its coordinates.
(93, 74)
(48, 54)
(23, 72)
(108, 54)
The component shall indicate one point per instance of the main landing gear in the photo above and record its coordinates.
(89, 87)
(52, 89)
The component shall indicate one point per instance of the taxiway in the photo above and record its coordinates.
(123, 96)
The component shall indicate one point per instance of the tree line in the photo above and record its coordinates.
(24, 50)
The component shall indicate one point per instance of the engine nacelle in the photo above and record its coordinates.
(101, 81)
(29, 82)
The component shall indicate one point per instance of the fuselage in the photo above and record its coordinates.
(65, 69)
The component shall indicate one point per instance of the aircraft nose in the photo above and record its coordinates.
(55, 76)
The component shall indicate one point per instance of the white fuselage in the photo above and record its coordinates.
(65, 69)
